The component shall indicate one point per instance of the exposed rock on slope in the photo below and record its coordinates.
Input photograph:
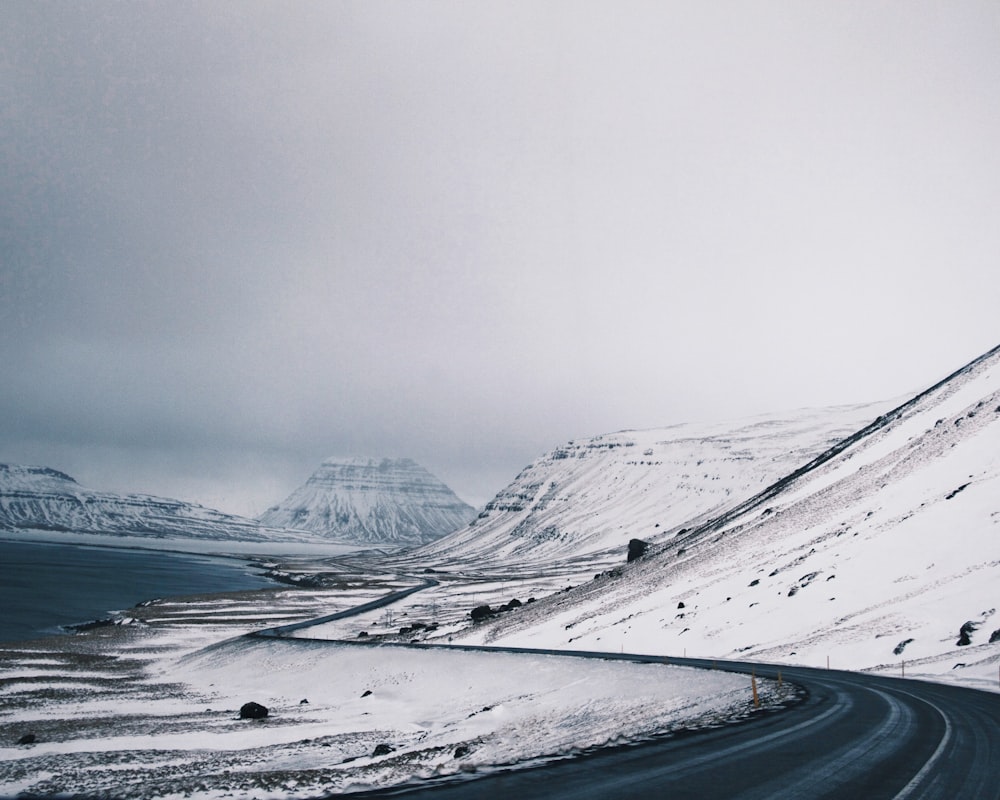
(888, 540)
(44, 499)
(595, 494)
(375, 501)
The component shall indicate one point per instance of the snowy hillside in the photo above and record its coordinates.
(884, 549)
(44, 499)
(595, 494)
(375, 501)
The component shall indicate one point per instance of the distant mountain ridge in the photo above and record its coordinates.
(373, 501)
(42, 498)
(595, 494)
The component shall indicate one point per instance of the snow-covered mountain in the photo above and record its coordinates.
(41, 498)
(596, 494)
(884, 548)
(372, 500)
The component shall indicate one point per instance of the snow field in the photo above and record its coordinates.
(877, 557)
(425, 704)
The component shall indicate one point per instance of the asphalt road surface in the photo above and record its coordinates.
(854, 736)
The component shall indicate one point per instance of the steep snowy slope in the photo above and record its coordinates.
(595, 494)
(884, 549)
(376, 501)
(45, 499)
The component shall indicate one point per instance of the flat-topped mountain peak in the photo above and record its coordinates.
(375, 500)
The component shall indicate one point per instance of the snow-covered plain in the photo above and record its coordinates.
(172, 728)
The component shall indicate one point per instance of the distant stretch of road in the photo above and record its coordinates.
(379, 602)
(854, 736)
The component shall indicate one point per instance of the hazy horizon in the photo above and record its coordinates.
(240, 238)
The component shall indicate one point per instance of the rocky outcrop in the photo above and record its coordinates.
(636, 549)
(372, 501)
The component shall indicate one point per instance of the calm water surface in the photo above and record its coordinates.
(44, 586)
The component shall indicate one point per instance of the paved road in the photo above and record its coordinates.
(380, 602)
(855, 736)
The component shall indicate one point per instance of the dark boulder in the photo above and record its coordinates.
(995, 636)
(480, 613)
(964, 634)
(462, 751)
(383, 749)
(28, 738)
(637, 549)
(367, 693)
(252, 711)
(899, 648)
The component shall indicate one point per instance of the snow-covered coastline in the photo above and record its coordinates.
(151, 709)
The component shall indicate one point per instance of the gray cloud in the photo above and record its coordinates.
(238, 238)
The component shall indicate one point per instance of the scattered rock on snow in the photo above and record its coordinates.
(964, 633)
(461, 751)
(637, 549)
(950, 495)
(252, 711)
(899, 648)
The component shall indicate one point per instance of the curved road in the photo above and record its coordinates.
(853, 736)
(371, 605)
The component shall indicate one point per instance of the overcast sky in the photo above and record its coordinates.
(237, 238)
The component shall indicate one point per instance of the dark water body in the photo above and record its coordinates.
(45, 586)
